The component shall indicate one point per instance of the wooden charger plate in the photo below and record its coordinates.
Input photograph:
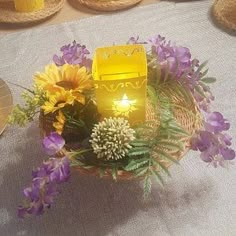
(6, 104)
(8, 14)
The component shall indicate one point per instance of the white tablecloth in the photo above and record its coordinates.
(197, 200)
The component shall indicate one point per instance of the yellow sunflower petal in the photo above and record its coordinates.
(58, 101)
(59, 124)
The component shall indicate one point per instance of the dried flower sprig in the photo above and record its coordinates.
(110, 139)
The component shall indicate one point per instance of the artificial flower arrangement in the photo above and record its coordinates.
(126, 114)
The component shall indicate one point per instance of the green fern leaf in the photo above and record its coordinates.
(165, 155)
(137, 151)
(141, 171)
(157, 177)
(135, 164)
(162, 166)
(147, 186)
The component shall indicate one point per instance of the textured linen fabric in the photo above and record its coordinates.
(197, 200)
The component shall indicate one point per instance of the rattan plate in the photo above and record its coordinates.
(190, 121)
(108, 5)
(8, 14)
(225, 13)
(6, 104)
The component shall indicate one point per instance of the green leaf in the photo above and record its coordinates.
(199, 90)
(137, 151)
(79, 153)
(139, 143)
(157, 177)
(135, 164)
(208, 80)
(141, 171)
(102, 171)
(167, 71)
(153, 96)
(158, 73)
(170, 145)
(147, 186)
(114, 172)
(165, 169)
(204, 73)
(165, 155)
(177, 130)
(201, 66)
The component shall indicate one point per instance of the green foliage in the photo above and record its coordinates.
(135, 164)
(208, 80)
(21, 115)
(147, 186)
(152, 150)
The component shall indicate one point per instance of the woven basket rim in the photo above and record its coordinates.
(217, 9)
(126, 175)
(109, 5)
(10, 15)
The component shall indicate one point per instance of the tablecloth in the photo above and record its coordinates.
(197, 199)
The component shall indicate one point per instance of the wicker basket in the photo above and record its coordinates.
(189, 122)
(225, 13)
(108, 5)
(8, 14)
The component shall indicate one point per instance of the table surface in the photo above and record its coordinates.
(198, 200)
(71, 11)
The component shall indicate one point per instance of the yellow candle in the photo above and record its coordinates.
(120, 79)
(28, 5)
(124, 106)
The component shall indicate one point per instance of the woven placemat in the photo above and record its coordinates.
(225, 13)
(108, 5)
(8, 14)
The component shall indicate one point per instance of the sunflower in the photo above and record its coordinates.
(59, 124)
(71, 78)
(58, 101)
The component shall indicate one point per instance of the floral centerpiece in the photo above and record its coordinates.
(76, 134)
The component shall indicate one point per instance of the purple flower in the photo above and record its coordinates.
(43, 188)
(175, 59)
(202, 141)
(135, 40)
(216, 123)
(213, 147)
(227, 153)
(53, 143)
(74, 54)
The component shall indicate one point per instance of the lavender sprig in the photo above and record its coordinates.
(210, 141)
(75, 54)
(43, 188)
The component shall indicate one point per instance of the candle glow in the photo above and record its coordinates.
(28, 5)
(120, 81)
(124, 106)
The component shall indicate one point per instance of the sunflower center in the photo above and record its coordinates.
(67, 85)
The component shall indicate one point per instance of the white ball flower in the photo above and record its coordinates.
(111, 138)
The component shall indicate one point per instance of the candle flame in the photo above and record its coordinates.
(124, 106)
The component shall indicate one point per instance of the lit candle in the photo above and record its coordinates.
(28, 5)
(120, 79)
(124, 106)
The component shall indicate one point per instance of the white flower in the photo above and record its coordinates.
(111, 138)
